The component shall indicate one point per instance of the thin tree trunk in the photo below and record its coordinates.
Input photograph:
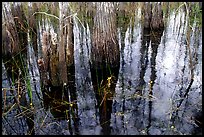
(66, 47)
(62, 65)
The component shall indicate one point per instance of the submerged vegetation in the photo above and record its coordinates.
(39, 38)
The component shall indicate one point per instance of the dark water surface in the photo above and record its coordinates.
(152, 80)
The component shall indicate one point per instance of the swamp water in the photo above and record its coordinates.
(149, 90)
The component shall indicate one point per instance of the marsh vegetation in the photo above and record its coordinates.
(115, 68)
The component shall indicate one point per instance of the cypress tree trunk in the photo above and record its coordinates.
(62, 45)
(14, 45)
(105, 48)
(44, 62)
(147, 10)
(54, 61)
(105, 58)
(32, 25)
(66, 40)
(157, 17)
(153, 16)
(10, 41)
(14, 42)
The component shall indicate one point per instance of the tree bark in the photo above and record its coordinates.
(105, 47)
(66, 47)
(153, 16)
(157, 17)
(105, 58)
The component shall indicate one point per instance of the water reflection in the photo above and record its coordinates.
(155, 37)
(104, 81)
(147, 86)
(159, 65)
(61, 101)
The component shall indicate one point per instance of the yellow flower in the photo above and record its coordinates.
(71, 105)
